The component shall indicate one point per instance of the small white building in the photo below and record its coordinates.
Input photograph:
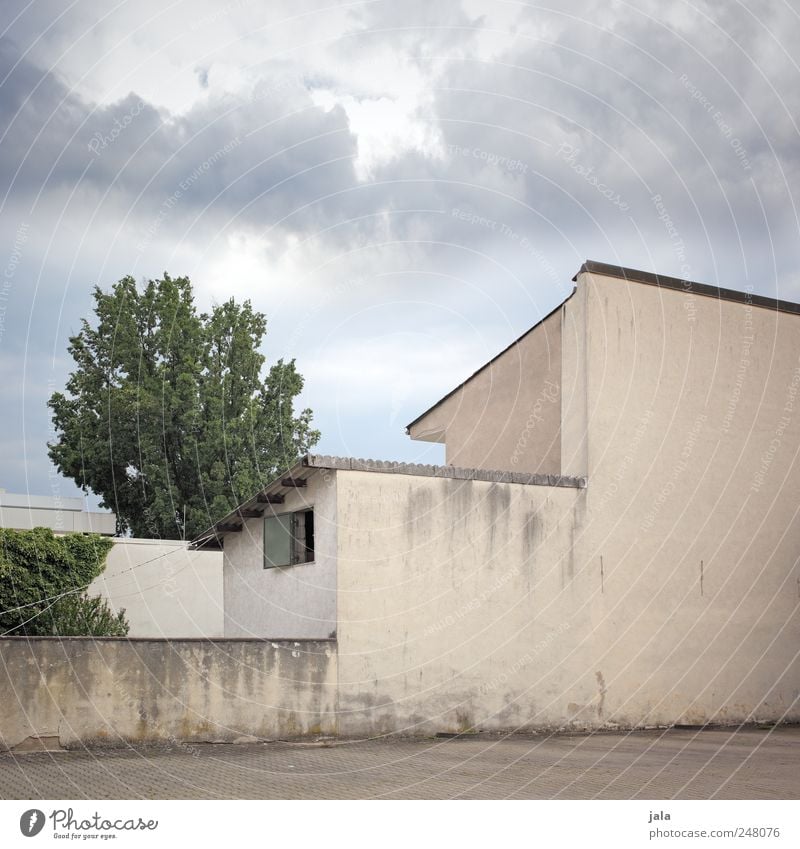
(613, 542)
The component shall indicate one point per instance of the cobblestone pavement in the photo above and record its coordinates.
(685, 764)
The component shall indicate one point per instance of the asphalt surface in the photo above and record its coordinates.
(676, 764)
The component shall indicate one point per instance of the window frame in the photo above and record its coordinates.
(301, 553)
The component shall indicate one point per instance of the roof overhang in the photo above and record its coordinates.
(264, 500)
(633, 275)
(429, 438)
(636, 276)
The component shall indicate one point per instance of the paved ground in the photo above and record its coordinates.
(726, 764)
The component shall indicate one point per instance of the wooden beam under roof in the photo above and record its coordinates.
(271, 498)
(294, 482)
(247, 513)
(226, 528)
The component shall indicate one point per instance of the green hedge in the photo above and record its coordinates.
(37, 566)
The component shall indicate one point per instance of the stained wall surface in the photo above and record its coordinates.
(69, 692)
(294, 601)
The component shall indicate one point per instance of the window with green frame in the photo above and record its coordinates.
(289, 539)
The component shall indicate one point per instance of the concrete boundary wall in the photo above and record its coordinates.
(67, 692)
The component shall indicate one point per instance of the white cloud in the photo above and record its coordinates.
(386, 128)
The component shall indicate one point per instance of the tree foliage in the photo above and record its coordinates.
(43, 578)
(81, 615)
(168, 415)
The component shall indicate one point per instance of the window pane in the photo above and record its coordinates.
(277, 540)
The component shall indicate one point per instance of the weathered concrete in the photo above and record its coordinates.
(693, 445)
(663, 592)
(84, 691)
(464, 603)
(456, 604)
(574, 374)
(683, 409)
(166, 589)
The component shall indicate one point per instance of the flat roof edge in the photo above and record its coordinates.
(486, 365)
(213, 536)
(689, 286)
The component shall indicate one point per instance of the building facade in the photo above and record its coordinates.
(613, 541)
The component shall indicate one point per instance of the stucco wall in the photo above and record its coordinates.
(81, 691)
(165, 589)
(508, 415)
(694, 434)
(295, 601)
(458, 604)
(666, 592)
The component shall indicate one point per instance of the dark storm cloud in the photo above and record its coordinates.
(643, 145)
(266, 156)
(51, 137)
(566, 136)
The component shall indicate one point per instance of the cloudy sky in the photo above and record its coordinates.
(401, 187)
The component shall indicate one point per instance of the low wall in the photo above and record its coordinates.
(479, 605)
(166, 589)
(74, 691)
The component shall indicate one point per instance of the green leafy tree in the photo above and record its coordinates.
(168, 415)
(43, 581)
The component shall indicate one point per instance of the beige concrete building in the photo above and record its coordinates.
(613, 541)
